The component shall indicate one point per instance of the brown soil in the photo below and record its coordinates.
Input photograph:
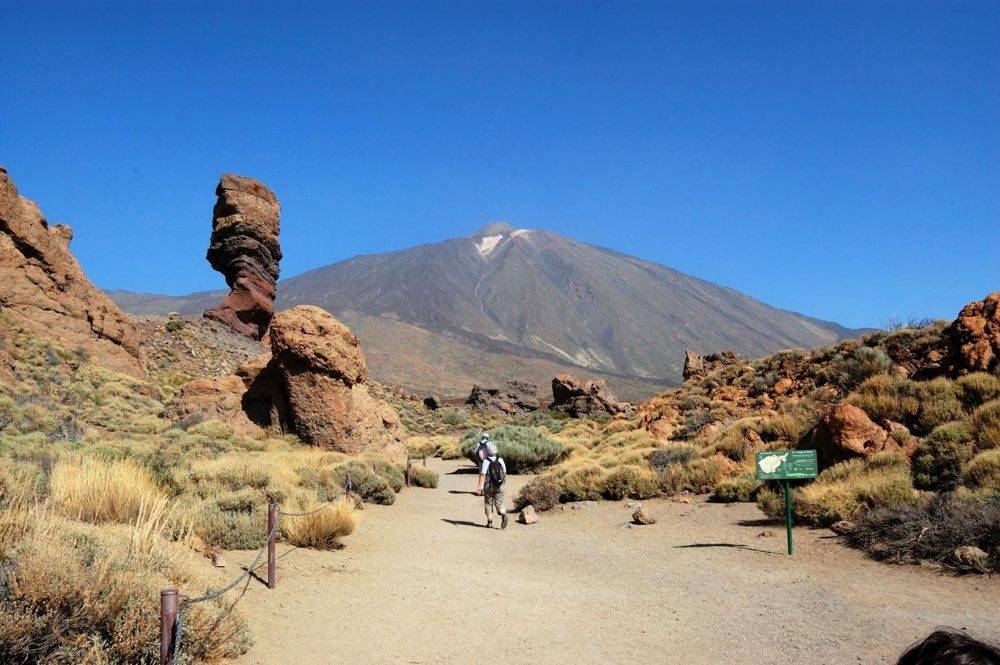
(424, 582)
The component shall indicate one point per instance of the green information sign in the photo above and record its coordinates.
(787, 465)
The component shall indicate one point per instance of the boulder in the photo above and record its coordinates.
(46, 292)
(843, 527)
(697, 366)
(975, 336)
(244, 247)
(846, 432)
(579, 398)
(323, 371)
(528, 515)
(512, 398)
(264, 401)
(213, 398)
(432, 402)
(971, 557)
(643, 516)
(783, 385)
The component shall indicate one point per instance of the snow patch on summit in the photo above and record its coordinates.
(487, 244)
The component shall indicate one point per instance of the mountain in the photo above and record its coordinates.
(507, 302)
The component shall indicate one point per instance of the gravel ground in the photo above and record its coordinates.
(423, 582)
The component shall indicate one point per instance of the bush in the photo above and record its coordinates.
(977, 388)
(630, 481)
(736, 490)
(233, 520)
(699, 476)
(421, 476)
(367, 483)
(694, 421)
(845, 490)
(983, 471)
(582, 483)
(680, 453)
(322, 529)
(523, 449)
(886, 397)
(986, 424)
(938, 460)
(851, 369)
(542, 493)
(939, 404)
(911, 534)
(454, 417)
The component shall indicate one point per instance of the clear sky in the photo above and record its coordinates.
(838, 159)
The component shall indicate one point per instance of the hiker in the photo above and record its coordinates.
(492, 481)
(480, 449)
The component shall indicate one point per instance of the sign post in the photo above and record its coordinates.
(787, 465)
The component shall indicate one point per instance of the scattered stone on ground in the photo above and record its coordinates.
(970, 556)
(528, 515)
(579, 398)
(245, 248)
(512, 398)
(643, 516)
(842, 528)
(46, 291)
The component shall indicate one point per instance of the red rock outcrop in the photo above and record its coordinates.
(214, 398)
(846, 432)
(323, 372)
(245, 248)
(579, 398)
(975, 336)
(697, 366)
(45, 290)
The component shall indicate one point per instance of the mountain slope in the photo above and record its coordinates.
(536, 294)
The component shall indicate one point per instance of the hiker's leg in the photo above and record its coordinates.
(499, 501)
(488, 503)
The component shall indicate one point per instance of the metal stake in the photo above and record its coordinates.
(168, 625)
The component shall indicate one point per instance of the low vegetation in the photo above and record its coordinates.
(103, 502)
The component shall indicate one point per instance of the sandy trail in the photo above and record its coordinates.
(424, 582)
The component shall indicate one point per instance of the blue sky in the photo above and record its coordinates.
(838, 159)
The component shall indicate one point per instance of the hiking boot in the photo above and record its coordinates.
(503, 521)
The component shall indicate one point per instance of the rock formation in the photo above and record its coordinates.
(244, 247)
(975, 336)
(323, 372)
(46, 291)
(514, 397)
(846, 432)
(697, 366)
(578, 398)
(213, 398)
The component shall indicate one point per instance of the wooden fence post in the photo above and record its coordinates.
(272, 562)
(168, 625)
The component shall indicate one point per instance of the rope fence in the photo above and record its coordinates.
(173, 604)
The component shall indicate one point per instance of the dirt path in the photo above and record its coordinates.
(424, 582)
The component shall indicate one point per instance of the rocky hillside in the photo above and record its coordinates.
(514, 303)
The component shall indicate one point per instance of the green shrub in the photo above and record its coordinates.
(983, 471)
(454, 417)
(885, 397)
(736, 490)
(542, 492)
(986, 424)
(523, 449)
(553, 421)
(234, 520)
(939, 404)
(938, 460)
(582, 483)
(421, 476)
(367, 484)
(630, 481)
(977, 388)
(851, 369)
(699, 476)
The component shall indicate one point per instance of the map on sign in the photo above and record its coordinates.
(787, 465)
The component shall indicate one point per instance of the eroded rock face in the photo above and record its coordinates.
(323, 370)
(975, 335)
(45, 290)
(213, 398)
(512, 398)
(579, 398)
(846, 432)
(244, 247)
(697, 366)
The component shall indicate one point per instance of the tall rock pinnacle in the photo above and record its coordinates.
(245, 248)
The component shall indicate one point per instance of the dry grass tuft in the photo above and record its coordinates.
(91, 490)
(323, 529)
